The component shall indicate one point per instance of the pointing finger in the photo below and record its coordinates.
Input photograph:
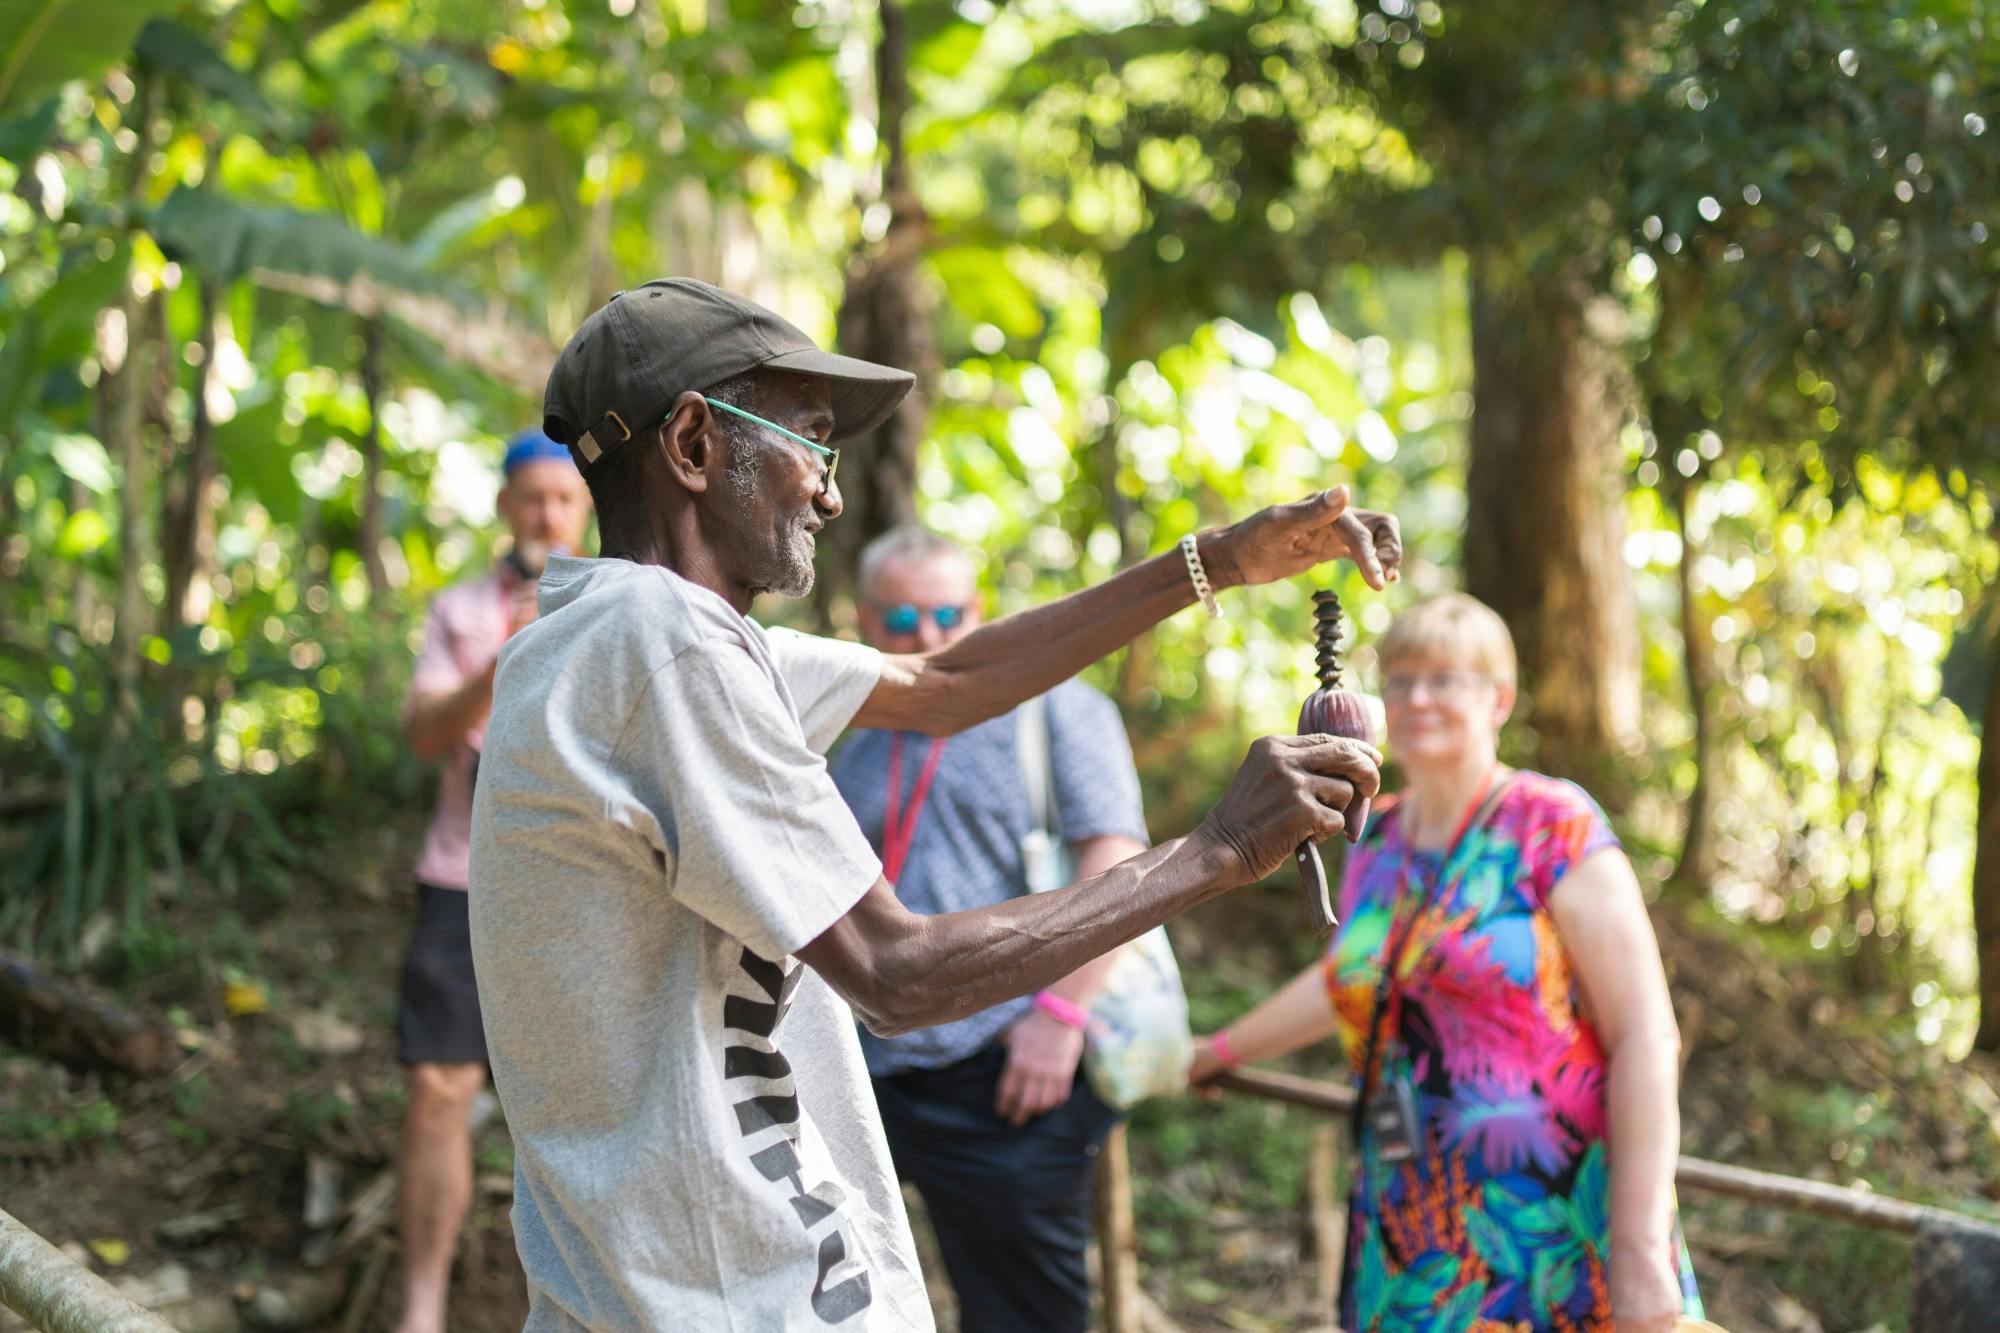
(1361, 542)
(1389, 546)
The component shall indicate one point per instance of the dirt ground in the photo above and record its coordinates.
(251, 1187)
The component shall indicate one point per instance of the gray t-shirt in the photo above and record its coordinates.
(654, 833)
(965, 850)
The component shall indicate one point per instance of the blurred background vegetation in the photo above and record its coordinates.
(1668, 328)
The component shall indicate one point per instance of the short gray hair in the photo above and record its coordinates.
(911, 541)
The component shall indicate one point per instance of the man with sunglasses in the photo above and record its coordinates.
(674, 917)
(989, 1117)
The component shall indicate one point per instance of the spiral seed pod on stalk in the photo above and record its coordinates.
(1330, 711)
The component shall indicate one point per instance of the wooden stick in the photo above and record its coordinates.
(1316, 1094)
(57, 1295)
(1117, 1247)
(1766, 1187)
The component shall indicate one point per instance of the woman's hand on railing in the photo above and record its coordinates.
(1207, 1064)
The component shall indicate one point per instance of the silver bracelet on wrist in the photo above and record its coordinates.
(1199, 577)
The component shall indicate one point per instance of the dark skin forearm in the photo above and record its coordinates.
(900, 970)
(998, 665)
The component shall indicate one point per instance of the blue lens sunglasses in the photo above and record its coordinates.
(905, 617)
(832, 456)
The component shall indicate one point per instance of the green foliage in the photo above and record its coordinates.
(313, 1113)
(50, 42)
(93, 1120)
(222, 237)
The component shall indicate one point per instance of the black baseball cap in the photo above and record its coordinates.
(622, 369)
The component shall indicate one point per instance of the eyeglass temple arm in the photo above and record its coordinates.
(734, 410)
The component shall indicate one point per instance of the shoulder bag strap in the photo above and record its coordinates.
(1037, 765)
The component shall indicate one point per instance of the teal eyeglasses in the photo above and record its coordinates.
(832, 455)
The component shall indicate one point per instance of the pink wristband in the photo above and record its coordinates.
(1066, 1012)
(1218, 1042)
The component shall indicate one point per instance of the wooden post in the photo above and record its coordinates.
(54, 1293)
(1328, 1217)
(1117, 1247)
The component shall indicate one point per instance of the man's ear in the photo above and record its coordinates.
(690, 443)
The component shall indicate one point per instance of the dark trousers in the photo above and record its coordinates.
(1011, 1207)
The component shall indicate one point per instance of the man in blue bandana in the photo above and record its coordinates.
(439, 1037)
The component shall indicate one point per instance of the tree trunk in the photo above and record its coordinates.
(1544, 531)
(371, 458)
(125, 434)
(1695, 871)
(187, 516)
(121, 404)
(885, 316)
(599, 270)
(1986, 867)
(1868, 969)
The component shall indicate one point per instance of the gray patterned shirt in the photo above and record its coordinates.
(966, 849)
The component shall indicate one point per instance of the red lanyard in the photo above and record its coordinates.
(1451, 848)
(1389, 988)
(899, 824)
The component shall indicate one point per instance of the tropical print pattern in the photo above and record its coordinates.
(1501, 1219)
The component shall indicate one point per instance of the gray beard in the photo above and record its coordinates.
(792, 571)
(794, 576)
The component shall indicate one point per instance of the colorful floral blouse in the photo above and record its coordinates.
(1501, 1219)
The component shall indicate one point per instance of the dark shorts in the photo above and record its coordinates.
(437, 1010)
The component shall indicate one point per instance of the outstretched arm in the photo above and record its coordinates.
(901, 971)
(1299, 1014)
(999, 665)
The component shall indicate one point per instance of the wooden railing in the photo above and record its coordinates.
(1128, 1310)
(58, 1295)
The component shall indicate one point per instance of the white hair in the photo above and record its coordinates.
(912, 542)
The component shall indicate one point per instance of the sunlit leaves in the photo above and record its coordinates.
(82, 534)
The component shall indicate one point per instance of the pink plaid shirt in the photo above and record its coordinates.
(468, 623)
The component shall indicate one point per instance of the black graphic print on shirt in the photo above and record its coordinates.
(767, 1113)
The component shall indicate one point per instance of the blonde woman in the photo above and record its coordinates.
(1497, 988)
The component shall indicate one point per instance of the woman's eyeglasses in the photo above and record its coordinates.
(831, 455)
(1438, 684)
(905, 617)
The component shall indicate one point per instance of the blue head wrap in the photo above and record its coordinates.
(532, 446)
